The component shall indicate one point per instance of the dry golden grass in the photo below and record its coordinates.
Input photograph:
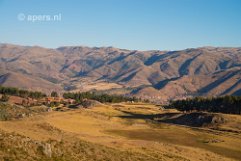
(116, 126)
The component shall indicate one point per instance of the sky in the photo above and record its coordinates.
(128, 24)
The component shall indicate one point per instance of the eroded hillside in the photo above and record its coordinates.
(148, 74)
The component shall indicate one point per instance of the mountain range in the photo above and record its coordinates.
(155, 75)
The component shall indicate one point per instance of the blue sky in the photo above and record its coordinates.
(129, 24)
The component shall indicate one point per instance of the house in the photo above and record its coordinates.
(53, 99)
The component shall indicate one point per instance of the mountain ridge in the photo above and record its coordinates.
(153, 74)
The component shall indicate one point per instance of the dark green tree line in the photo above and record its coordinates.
(225, 104)
(98, 97)
(12, 91)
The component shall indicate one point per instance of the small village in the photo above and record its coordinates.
(48, 101)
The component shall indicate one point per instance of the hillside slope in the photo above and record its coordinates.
(154, 75)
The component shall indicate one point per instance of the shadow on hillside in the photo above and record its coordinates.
(184, 68)
(163, 83)
(196, 119)
(218, 82)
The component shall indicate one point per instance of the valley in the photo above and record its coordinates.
(120, 131)
(92, 80)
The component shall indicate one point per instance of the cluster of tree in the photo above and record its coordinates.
(21, 93)
(226, 104)
(78, 97)
(54, 94)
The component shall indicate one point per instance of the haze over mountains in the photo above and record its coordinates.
(156, 75)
